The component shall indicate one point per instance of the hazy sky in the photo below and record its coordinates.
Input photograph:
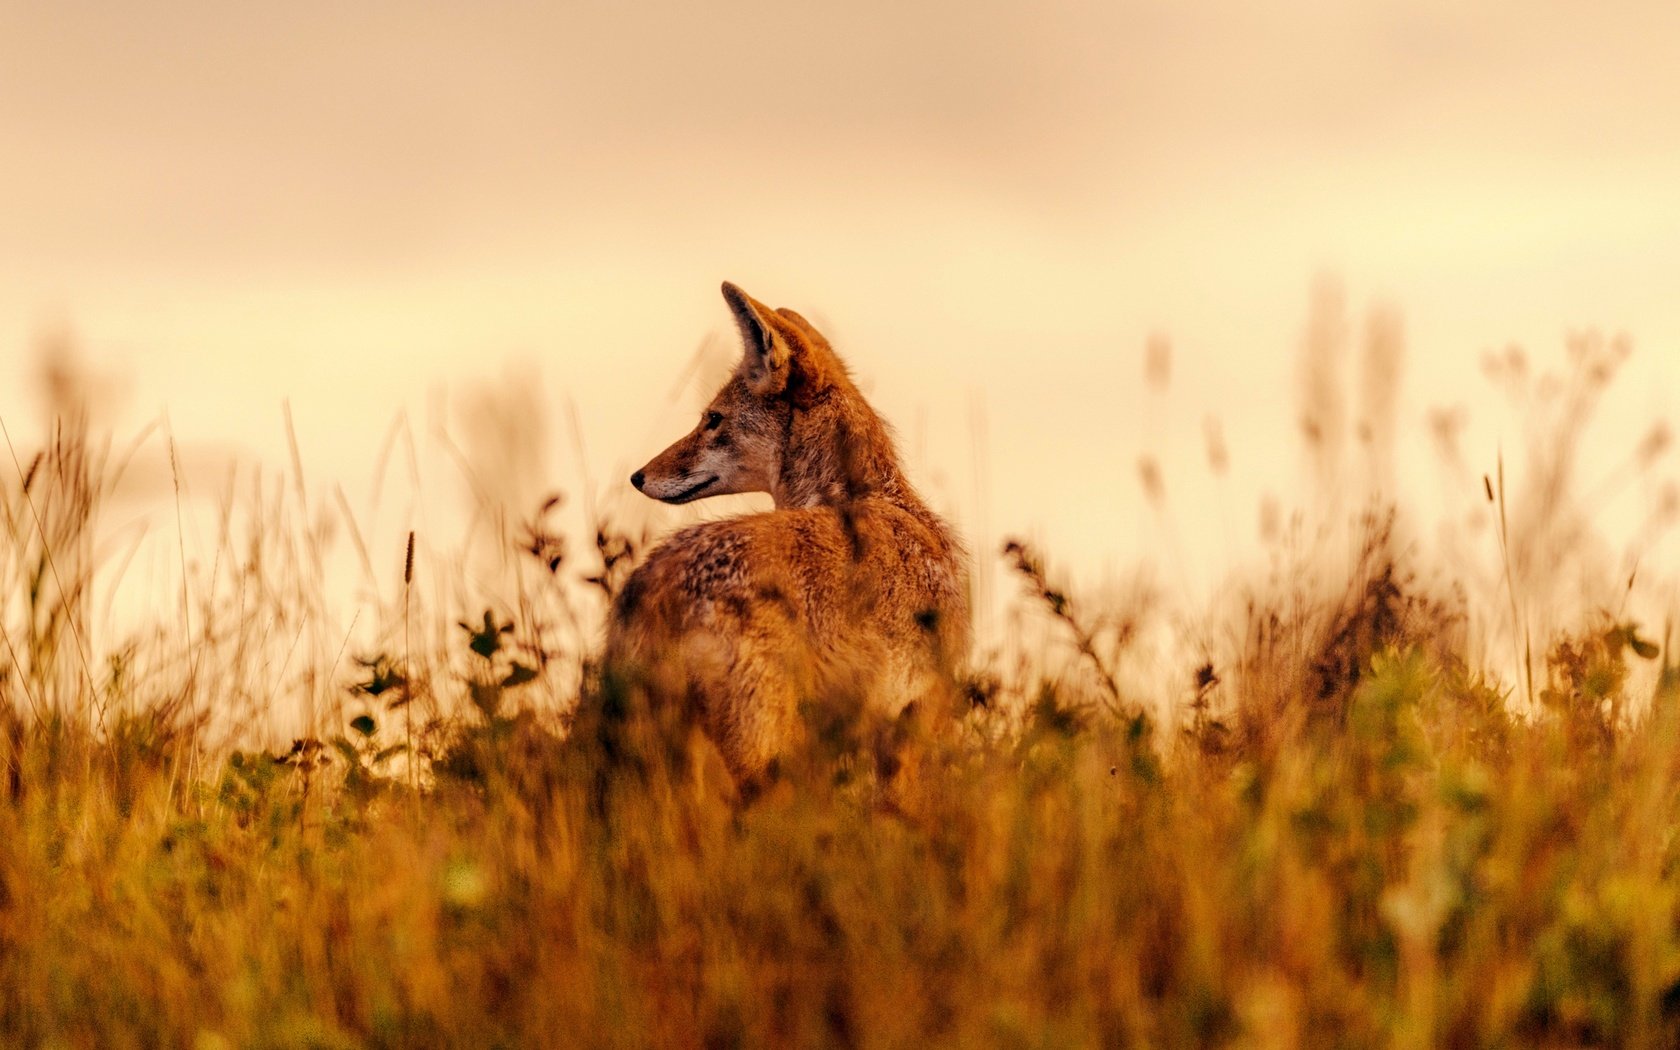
(991, 207)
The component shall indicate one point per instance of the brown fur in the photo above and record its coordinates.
(850, 588)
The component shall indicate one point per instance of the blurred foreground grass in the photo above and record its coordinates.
(1411, 866)
(1338, 827)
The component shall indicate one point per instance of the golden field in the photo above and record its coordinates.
(1372, 800)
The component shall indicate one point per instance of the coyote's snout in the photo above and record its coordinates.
(850, 587)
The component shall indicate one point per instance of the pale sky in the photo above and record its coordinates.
(365, 209)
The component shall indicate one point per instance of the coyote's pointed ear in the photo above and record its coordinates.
(766, 365)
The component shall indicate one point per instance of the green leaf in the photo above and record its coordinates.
(487, 640)
(1628, 634)
(346, 749)
(519, 675)
(363, 724)
(382, 677)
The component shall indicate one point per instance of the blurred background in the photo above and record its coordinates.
(1132, 279)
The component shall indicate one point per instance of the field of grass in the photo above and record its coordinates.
(1338, 824)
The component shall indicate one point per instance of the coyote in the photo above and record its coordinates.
(851, 589)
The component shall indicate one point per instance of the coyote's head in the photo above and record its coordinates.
(788, 422)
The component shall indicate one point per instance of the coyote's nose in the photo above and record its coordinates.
(636, 479)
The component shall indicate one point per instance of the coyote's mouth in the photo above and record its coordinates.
(693, 491)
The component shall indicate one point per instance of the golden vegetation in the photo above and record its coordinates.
(1338, 826)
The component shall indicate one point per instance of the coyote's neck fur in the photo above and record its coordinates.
(855, 460)
(850, 587)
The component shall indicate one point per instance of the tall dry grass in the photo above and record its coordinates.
(1331, 820)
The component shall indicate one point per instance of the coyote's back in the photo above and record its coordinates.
(851, 588)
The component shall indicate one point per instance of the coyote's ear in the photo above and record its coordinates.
(767, 353)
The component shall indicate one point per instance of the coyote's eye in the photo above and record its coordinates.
(714, 420)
